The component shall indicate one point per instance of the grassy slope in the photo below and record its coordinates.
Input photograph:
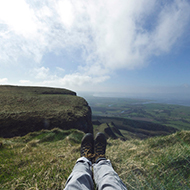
(130, 128)
(44, 160)
(30, 99)
(37, 107)
(34, 90)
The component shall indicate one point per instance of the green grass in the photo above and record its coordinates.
(179, 125)
(26, 109)
(155, 163)
(38, 160)
(44, 160)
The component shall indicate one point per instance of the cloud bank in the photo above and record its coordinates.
(3, 80)
(111, 35)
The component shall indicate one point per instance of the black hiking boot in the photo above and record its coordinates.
(87, 146)
(100, 143)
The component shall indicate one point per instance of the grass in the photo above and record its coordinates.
(155, 163)
(39, 160)
(26, 109)
(36, 99)
(44, 160)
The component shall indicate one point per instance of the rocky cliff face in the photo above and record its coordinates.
(28, 109)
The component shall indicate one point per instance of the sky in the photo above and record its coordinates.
(123, 46)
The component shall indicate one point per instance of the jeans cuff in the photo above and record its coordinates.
(99, 159)
(84, 159)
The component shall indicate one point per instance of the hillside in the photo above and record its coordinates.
(124, 129)
(44, 148)
(27, 109)
(44, 160)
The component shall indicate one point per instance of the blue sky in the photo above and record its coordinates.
(138, 46)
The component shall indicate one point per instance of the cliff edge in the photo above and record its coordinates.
(28, 109)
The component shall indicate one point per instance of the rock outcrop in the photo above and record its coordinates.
(28, 109)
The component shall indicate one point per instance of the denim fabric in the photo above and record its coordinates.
(81, 176)
(104, 176)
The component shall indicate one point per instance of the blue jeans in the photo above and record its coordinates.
(104, 176)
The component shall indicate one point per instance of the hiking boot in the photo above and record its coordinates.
(87, 146)
(100, 143)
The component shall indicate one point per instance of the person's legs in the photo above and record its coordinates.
(81, 176)
(104, 175)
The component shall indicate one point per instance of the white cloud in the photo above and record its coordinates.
(40, 73)
(18, 17)
(66, 12)
(171, 23)
(24, 81)
(114, 34)
(60, 69)
(123, 41)
(74, 81)
(3, 80)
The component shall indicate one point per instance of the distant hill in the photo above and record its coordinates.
(27, 109)
(124, 129)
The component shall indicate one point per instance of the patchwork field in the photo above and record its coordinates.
(142, 110)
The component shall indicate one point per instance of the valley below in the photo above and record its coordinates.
(141, 111)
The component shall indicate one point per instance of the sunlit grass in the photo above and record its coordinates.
(155, 163)
(44, 160)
